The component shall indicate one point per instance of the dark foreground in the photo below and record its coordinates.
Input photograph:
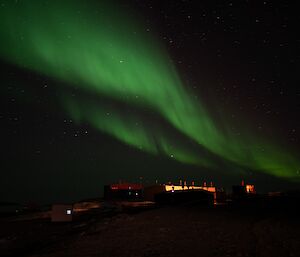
(168, 231)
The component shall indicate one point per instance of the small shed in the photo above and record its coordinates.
(62, 213)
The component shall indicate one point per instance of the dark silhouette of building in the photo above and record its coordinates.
(123, 191)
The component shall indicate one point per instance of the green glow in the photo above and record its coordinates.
(107, 54)
(132, 130)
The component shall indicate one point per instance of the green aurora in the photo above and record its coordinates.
(108, 55)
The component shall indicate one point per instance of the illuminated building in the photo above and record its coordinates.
(250, 189)
(152, 192)
(164, 192)
(243, 190)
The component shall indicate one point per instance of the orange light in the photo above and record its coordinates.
(180, 188)
(250, 189)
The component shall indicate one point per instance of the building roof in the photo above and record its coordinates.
(126, 186)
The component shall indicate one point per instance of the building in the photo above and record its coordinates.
(182, 192)
(243, 190)
(123, 191)
(250, 189)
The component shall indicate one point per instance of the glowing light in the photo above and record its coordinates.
(250, 189)
(106, 57)
(173, 188)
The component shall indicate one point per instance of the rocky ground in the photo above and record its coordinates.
(166, 231)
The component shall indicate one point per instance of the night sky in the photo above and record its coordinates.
(139, 91)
